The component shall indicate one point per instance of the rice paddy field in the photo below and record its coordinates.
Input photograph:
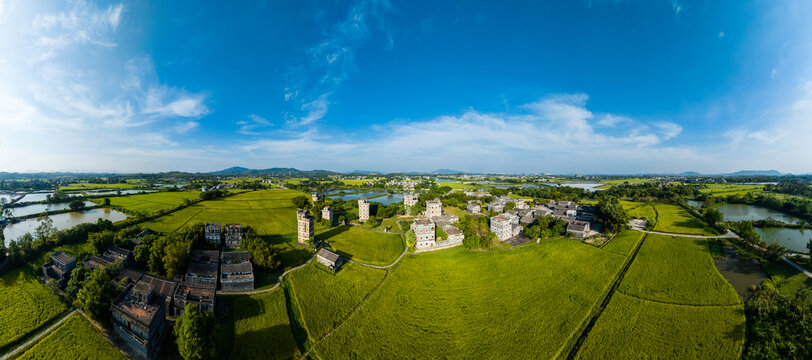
(131, 184)
(74, 339)
(261, 327)
(26, 304)
(152, 202)
(671, 302)
(730, 189)
(443, 304)
(674, 219)
(624, 242)
(324, 298)
(642, 210)
(367, 246)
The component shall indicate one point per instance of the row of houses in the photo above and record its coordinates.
(229, 236)
(578, 219)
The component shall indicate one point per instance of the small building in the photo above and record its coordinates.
(424, 233)
(410, 199)
(204, 256)
(527, 221)
(327, 214)
(330, 259)
(139, 318)
(116, 253)
(474, 209)
(127, 276)
(60, 267)
(187, 294)
(233, 236)
(363, 210)
(163, 287)
(212, 234)
(578, 229)
(306, 228)
(434, 208)
(94, 262)
(496, 206)
(202, 275)
(236, 272)
(455, 236)
(505, 226)
(315, 197)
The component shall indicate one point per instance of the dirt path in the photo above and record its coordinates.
(728, 235)
(385, 266)
(37, 337)
(798, 267)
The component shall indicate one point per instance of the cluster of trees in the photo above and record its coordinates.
(197, 335)
(779, 326)
(262, 252)
(96, 292)
(611, 215)
(543, 193)
(29, 247)
(652, 191)
(477, 232)
(791, 186)
(546, 227)
(213, 194)
(169, 255)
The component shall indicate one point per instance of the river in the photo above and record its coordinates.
(62, 221)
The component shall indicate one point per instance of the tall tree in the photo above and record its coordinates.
(611, 214)
(96, 295)
(194, 334)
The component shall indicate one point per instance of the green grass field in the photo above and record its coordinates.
(74, 339)
(324, 298)
(674, 219)
(624, 242)
(677, 270)
(523, 303)
(643, 211)
(731, 189)
(153, 202)
(261, 327)
(366, 246)
(25, 305)
(137, 184)
(460, 213)
(631, 328)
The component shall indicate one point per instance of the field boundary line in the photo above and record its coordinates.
(343, 321)
(673, 303)
(606, 299)
(728, 235)
(38, 336)
(382, 267)
(186, 222)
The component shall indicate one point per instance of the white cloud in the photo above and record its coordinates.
(676, 6)
(163, 101)
(253, 125)
(721, 34)
(610, 120)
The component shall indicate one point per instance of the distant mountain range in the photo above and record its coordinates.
(289, 172)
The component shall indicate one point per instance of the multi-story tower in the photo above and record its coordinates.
(306, 228)
(434, 208)
(363, 210)
(410, 199)
(327, 214)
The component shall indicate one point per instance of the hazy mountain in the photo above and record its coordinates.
(289, 172)
(447, 172)
(756, 173)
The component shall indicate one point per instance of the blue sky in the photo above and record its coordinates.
(547, 86)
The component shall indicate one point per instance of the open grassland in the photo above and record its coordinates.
(324, 298)
(632, 328)
(677, 270)
(640, 210)
(674, 219)
(25, 305)
(152, 202)
(624, 242)
(730, 189)
(74, 339)
(366, 246)
(609, 183)
(261, 327)
(517, 304)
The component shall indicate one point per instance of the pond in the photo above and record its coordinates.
(793, 239)
(38, 208)
(741, 272)
(388, 199)
(739, 212)
(695, 203)
(62, 221)
(360, 195)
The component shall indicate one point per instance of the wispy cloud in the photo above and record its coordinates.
(329, 63)
(676, 6)
(253, 125)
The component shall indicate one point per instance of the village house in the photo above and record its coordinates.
(327, 214)
(212, 234)
(315, 197)
(455, 236)
(424, 233)
(410, 199)
(233, 236)
(94, 262)
(236, 272)
(496, 206)
(306, 229)
(331, 260)
(127, 276)
(473, 208)
(434, 208)
(363, 210)
(527, 221)
(505, 226)
(116, 253)
(163, 287)
(578, 229)
(186, 294)
(139, 318)
(59, 268)
(204, 256)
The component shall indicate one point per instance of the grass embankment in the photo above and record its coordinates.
(672, 303)
(523, 303)
(366, 246)
(150, 203)
(261, 327)
(324, 299)
(25, 305)
(74, 339)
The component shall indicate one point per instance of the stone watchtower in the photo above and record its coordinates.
(306, 228)
(363, 210)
